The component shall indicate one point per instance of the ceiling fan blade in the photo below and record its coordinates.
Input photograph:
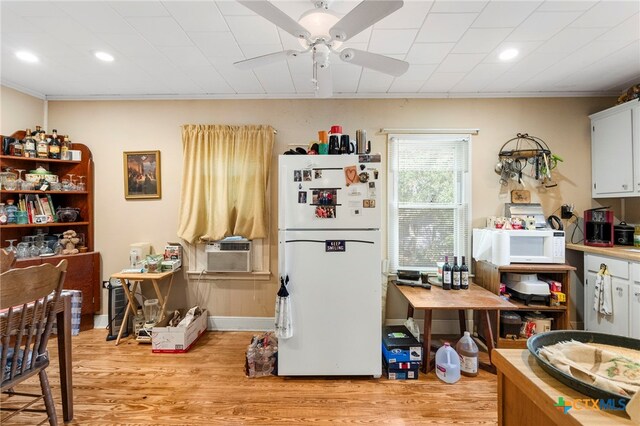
(277, 17)
(325, 82)
(362, 17)
(267, 59)
(374, 61)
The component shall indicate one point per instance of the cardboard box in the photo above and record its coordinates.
(173, 340)
(397, 374)
(412, 354)
(173, 251)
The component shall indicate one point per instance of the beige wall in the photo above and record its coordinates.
(110, 127)
(19, 111)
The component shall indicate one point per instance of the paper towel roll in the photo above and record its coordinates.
(500, 248)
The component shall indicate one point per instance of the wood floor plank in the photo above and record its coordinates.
(127, 384)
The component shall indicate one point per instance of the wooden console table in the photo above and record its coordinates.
(137, 279)
(476, 298)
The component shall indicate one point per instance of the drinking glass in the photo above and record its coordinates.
(19, 181)
(22, 251)
(81, 185)
(71, 182)
(57, 247)
(11, 247)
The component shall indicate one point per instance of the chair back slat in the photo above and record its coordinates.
(31, 296)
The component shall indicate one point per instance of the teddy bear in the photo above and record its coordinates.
(69, 240)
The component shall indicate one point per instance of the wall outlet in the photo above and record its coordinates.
(566, 211)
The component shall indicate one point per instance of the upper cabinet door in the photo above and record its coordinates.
(611, 154)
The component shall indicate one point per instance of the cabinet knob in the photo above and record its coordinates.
(636, 294)
(624, 186)
(619, 288)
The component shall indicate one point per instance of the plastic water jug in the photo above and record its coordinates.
(447, 364)
(468, 353)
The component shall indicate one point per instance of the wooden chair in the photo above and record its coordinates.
(28, 297)
(7, 260)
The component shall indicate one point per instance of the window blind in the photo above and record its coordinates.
(429, 200)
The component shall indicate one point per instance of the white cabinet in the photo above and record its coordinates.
(621, 286)
(615, 151)
(634, 303)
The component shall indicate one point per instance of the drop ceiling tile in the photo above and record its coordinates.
(566, 6)
(480, 77)
(428, 53)
(295, 9)
(542, 25)
(97, 16)
(253, 29)
(33, 8)
(481, 40)
(147, 8)
(388, 42)
(160, 31)
(361, 37)
(524, 48)
(627, 30)
(242, 81)
(303, 64)
(345, 78)
(127, 44)
(343, 7)
(374, 82)
(570, 40)
(216, 44)
(289, 41)
(444, 27)
(455, 63)
(184, 57)
(209, 80)
(197, 15)
(405, 86)
(41, 44)
(418, 72)
(410, 15)
(233, 8)
(275, 78)
(11, 23)
(442, 82)
(454, 6)
(505, 14)
(607, 14)
(303, 83)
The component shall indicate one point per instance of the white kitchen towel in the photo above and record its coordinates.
(603, 292)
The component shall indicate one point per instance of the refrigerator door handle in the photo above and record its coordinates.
(324, 241)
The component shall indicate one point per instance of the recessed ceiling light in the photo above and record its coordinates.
(508, 54)
(104, 56)
(27, 56)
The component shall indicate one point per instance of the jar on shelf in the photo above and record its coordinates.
(11, 210)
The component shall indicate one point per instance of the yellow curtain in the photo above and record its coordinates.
(224, 181)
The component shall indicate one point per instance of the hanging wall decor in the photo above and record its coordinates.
(523, 156)
(142, 174)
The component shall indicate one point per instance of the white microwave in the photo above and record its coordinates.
(503, 247)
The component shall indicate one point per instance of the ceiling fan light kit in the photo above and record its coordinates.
(320, 31)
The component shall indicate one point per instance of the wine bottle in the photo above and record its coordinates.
(464, 275)
(29, 145)
(54, 146)
(446, 274)
(455, 274)
(43, 146)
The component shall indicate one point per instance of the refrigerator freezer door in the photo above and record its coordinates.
(336, 303)
(313, 192)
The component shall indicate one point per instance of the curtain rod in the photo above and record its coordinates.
(430, 131)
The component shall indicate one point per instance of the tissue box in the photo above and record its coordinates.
(177, 339)
(171, 265)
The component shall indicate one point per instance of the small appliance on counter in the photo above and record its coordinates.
(527, 287)
(623, 234)
(598, 227)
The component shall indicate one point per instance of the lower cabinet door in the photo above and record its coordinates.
(618, 321)
(634, 310)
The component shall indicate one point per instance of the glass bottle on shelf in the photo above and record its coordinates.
(29, 145)
(3, 214)
(54, 146)
(18, 148)
(464, 275)
(36, 133)
(11, 210)
(64, 149)
(43, 146)
(455, 274)
(446, 274)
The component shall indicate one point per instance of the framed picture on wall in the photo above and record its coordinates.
(142, 174)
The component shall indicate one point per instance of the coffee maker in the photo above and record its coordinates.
(598, 227)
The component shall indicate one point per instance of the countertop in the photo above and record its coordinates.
(622, 252)
(543, 393)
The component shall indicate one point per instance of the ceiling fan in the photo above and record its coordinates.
(321, 32)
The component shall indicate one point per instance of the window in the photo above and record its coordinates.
(429, 190)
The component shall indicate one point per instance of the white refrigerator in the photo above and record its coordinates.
(329, 247)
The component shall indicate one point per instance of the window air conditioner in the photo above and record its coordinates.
(229, 256)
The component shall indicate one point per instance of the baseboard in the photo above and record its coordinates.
(216, 323)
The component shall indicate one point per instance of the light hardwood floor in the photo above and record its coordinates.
(127, 384)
